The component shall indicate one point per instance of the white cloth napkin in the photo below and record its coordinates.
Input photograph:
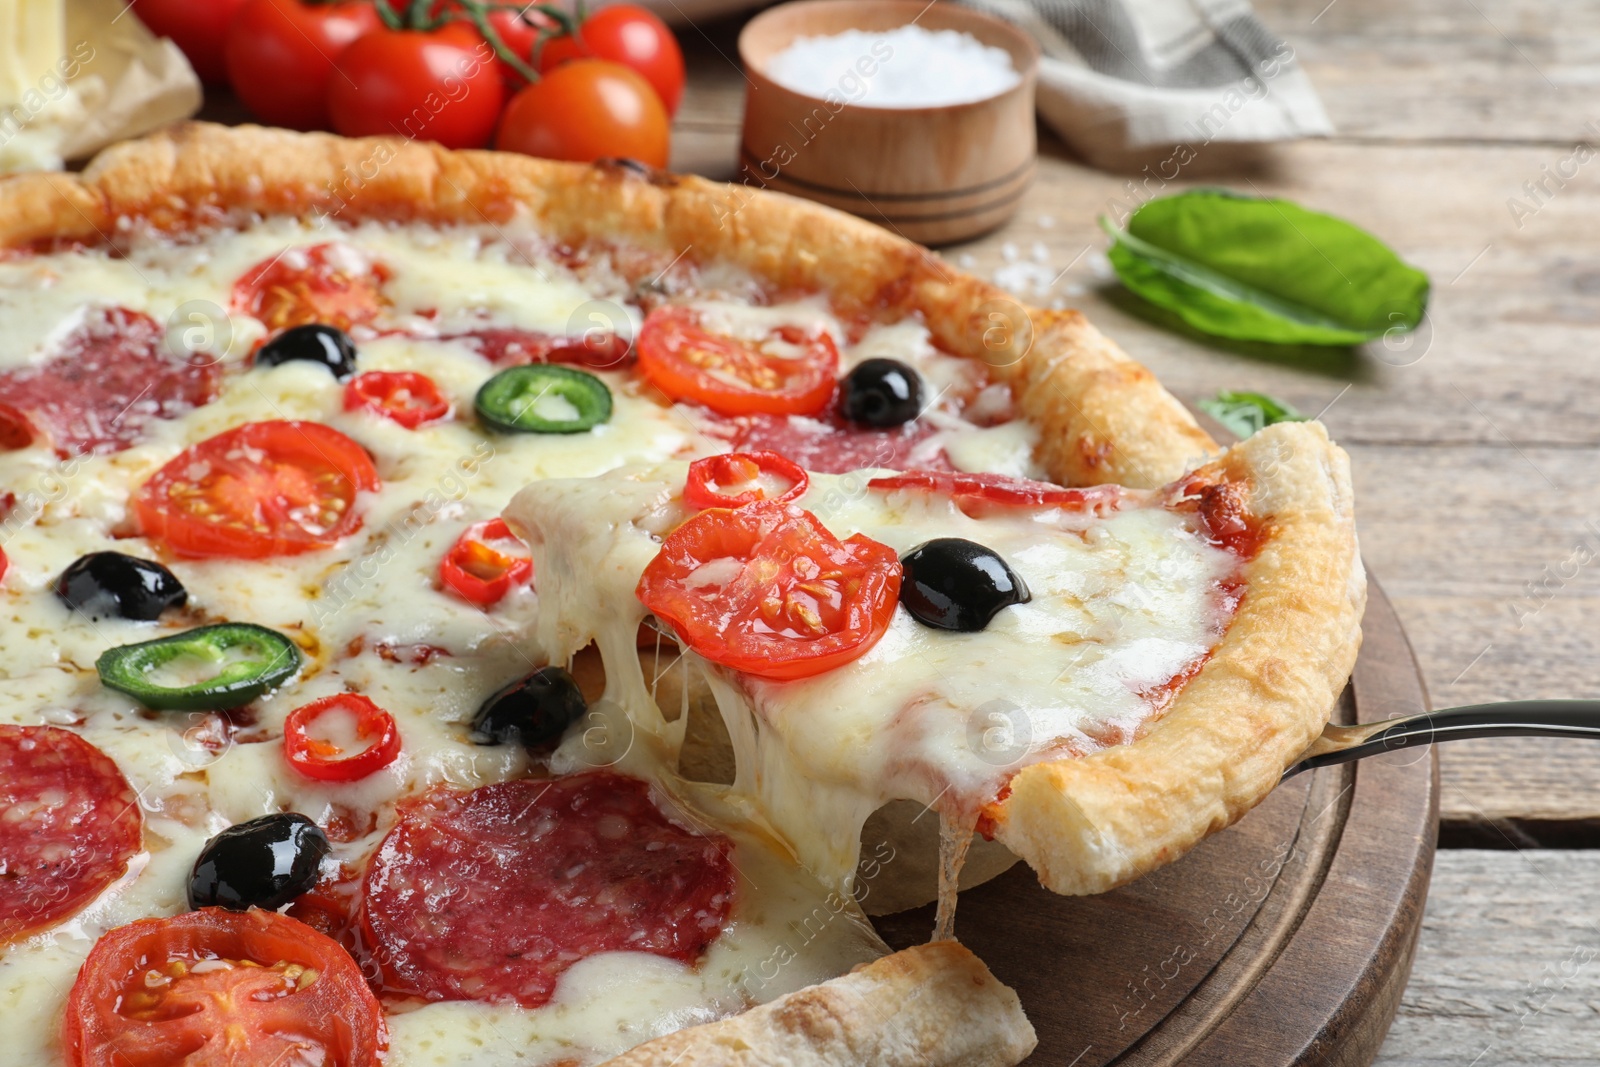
(1122, 76)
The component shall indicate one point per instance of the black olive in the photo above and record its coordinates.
(955, 584)
(881, 393)
(263, 863)
(107, 584)
(533, 710)
(315, 343)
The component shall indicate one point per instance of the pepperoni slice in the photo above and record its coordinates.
(837, 447)
(491, 894)
(975, 494)
(69, 824)
(506, 346)
(110, 378)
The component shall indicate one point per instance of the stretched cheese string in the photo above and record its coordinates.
(955, 837)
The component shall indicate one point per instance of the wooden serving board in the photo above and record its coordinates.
(1286, 939)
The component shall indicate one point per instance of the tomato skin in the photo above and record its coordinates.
(334, 1018)
(436, 85)
(310, 285)
(677, 355)
(197, 27)
(255, 484)
(802, 602)
(323, 762)
(280, 56)
(707, 477)
(627, 34)
(479, 573)
(587, 110)
(405, 397)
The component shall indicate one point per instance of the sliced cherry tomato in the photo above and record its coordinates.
(280, 56)
(198, 29)
(406, 397)
(480, 573)
(587, 110)
(627, 34)
(262, 489)
(311, 751)
(428, 85)
(736, 377)
(975, 493)
(305, 285)
(214, 987)
(735, 479)
(768, 590)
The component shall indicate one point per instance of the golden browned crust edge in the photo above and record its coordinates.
(934, 1005)
(1087, 825)
(1105, 418)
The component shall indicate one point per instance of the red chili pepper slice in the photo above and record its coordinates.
(478, 572)
(325, 761)
(735, 479)
(406, 397)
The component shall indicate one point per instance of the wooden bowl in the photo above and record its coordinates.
(932, 174)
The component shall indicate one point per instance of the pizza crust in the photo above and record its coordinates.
(1105, 417)
(1087, 825)
(933, 1005)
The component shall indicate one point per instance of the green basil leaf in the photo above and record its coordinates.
(1262, 269)
(1245, 413)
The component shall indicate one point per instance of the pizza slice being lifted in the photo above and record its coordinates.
(1095, 678)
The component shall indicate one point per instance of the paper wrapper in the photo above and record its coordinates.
(121, 82)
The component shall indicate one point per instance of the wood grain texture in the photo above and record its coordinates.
(1447, 69)
(1508, 969)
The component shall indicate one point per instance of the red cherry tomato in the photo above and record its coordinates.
(733, 376)
(800, 602)
(632, 36)
(262, 489)
(735, 479)
(197, 27)
(310, 285)
(587, 110)
(436, 85)
(272, 990)
(322, 759)
(280, 56)
(406, 397)
(480, 573)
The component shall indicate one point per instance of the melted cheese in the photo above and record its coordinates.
(372, 618)
(1121, 605)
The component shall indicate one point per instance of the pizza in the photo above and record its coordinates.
(466, 608)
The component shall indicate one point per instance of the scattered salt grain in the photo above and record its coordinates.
(1009, 252)
(905, 67)
(1025, 279)
(1041, 254)
(966, 261)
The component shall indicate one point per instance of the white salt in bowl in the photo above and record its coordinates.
(936, 155)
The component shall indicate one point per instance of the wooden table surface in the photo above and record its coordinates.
(1476, 446)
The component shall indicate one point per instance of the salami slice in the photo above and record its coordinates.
(69, 823)
(506, 346)
(491, 894)
(110, 378)
(835, 446)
